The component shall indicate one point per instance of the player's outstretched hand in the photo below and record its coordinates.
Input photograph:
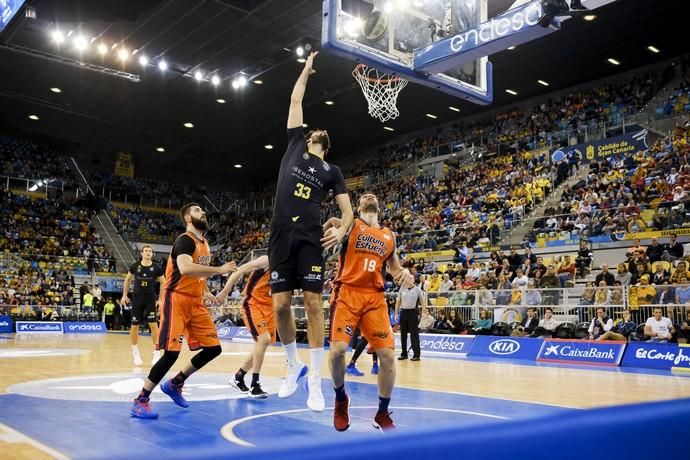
(124, 300)
(220, 298)
(228, 267)
(404, 278)
(210, 299)
(310, 62)
(160, 302)
(332, 237)
(333, 222)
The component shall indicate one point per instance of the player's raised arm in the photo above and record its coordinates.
(335, 234)
(295, 115)
(260, 263)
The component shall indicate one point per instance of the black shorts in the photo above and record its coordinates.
(295, 258)
(143, 309)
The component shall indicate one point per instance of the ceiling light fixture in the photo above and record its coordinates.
(258, 82)
(454, 109)
(431, 115)
(388, 128)
(160, 149)
(215, 80)
(242, 80)
(198, 76)
(543, 83)
(56, 90)
(589, 17)
(614, 61)
(220, 101)
(511, 48)
(188, 125)
(238, 166)
(80, 43)
(268, 147)
(34, 117)
(299, 51)
(162, 65)
(123, 54)
(510, 91)
(329, 102)
(102, 48)
(58, 37)
(653, 49)
(143, 60)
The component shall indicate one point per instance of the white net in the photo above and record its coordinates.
(381, 91)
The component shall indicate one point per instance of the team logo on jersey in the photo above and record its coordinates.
(181, 339)
(312, 169)
(274, 275)
(362, 228)
(316, 268)
(348, 329)
(380, 334)
(305, 155)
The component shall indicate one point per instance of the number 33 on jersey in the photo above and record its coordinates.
(363, 256)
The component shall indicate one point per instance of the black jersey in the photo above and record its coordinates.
(145, 278)
(303, 183)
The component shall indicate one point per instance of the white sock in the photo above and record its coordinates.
(291, 351)
(135, 349)
(316, 355)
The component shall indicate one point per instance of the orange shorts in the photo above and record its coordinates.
(184, 316)
(352, 308)
(259, 318)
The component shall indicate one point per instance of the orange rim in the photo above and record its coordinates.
(360, 69)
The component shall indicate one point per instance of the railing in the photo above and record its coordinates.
(56, 262)
(571, 305)
(32, 185)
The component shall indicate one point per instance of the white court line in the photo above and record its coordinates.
(15, 437)
(244, 353)
(228, 430)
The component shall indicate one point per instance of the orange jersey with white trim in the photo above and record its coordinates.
(190, 244)
(363, 256)
(257, 289)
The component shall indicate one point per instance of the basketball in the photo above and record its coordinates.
(375, 25)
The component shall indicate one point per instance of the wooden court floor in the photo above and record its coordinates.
(31, 358)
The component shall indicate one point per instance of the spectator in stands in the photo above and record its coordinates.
(441, 321)
(566, 271)
(673, 250)
(623, 276)
(109, 313)
(492, 281)
(655, 251)
(547, 324)
(682, 292)
(455, 323)
(551, 286)
(527, 325)
(638, 269)
(584, 258)
(532, 294)
(660, 275)
(636, 249)
(426, 322)
(622, 329)
(588, 294)
(658, 328)
(616, 297)
(602, 295)
(474, 272)
(446, 283)
(539, 266)
(434, 283)
(680, 273)
(645, 292)
(484, 323)
(600, 324)
(684, 330)
(520, 280)
(504, 288)
(605, 276)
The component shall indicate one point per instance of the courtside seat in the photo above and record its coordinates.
(581, 330)
(565, 331)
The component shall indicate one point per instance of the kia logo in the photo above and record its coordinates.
(504, 347)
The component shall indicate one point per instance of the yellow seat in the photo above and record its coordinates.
(440, 301)
(548, 261)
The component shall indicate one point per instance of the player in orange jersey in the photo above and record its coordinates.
(183, 313)
(358, 300)
(257, 311)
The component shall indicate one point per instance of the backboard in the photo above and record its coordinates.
(443, 44)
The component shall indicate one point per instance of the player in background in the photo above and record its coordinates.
(361, 344)
(359, 301)
(295, 244)
(184, 314)
(145, 273)
(257, 311)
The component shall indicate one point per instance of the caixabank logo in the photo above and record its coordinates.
(38, 326)
(581, 352)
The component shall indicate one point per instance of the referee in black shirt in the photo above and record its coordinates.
(295, 245)
(145, 274)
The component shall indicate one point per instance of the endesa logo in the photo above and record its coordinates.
(440, 343)
(504, 347)
(85, 328)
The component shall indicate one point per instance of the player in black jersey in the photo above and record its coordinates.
(145, 274)
(297, 239)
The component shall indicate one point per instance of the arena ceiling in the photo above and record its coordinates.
(103, 114)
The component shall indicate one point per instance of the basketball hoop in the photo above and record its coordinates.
(381, 91)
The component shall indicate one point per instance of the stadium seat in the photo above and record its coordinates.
(581, 330)
(565, 331)
(500, 329)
